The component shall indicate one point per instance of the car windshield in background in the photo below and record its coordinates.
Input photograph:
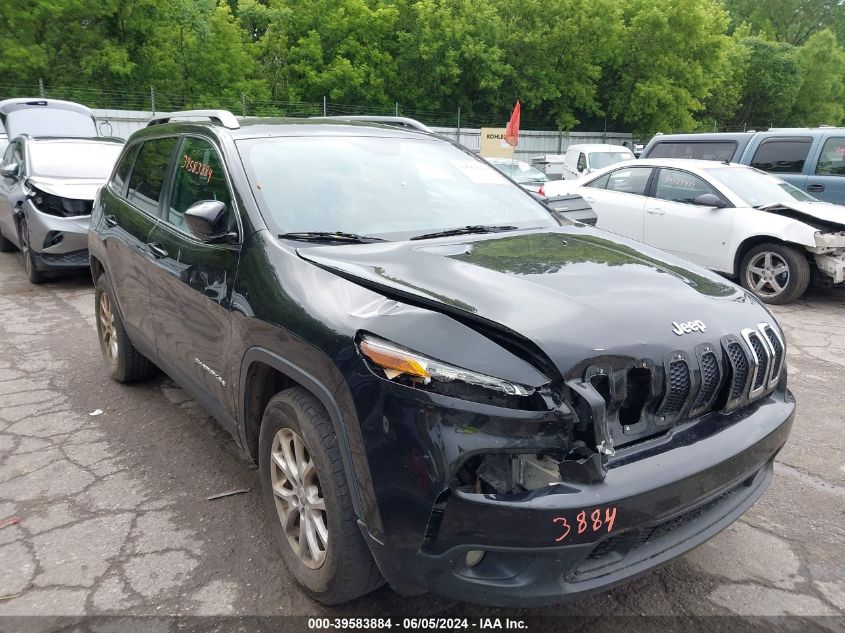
(376, 186)
(73, 160)
(42, 121)
(522, 173)
(758, 188)
(598, 160)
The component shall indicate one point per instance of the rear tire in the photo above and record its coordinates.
(126, 364)
(33, 274)
(775, 273)
(340, 567)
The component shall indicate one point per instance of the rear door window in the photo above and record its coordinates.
(703, 150)
(149, 173)
(782, 155)
(832, 158)
(629, 180)
(124, 164)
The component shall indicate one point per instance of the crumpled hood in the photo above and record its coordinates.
(824, 211)
(74, 188)
(575, 292)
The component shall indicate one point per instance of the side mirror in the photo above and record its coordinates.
(10, 170)
(206, 220)
(709, 200)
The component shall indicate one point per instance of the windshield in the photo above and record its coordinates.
(598, 160)
(758, 188)
(520, 172)
(374, 185)
(73, 160)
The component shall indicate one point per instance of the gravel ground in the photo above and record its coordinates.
(114, 517)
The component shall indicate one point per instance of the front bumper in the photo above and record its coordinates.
(57, 243)
(666, 499)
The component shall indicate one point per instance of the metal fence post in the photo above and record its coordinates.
(41, 87)
(243, 104)
(324, 105)
(458, 135)
(396, 104)
(153, 99)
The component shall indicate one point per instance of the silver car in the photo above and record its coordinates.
(47, 188)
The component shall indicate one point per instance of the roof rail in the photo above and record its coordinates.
(219, 117)
(399, 121)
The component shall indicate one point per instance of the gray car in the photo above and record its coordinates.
(47, 188)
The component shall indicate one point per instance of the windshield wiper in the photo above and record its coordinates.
(464, 230)
(330, 236)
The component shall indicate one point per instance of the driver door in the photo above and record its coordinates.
(10, 192)
(673, 223)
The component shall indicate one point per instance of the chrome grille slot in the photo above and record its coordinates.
(711, 378)
(761, 357)
(739, 372)
(778, 350)
(678, 386)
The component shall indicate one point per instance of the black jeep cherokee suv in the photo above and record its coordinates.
(444, 386)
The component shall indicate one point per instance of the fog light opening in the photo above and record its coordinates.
(474, 556)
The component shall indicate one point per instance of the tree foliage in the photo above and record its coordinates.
(634, 65)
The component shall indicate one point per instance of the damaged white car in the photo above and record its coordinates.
(737, 220)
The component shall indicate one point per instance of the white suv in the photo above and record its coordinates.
(734, 219)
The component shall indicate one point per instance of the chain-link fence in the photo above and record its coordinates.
(119, 113)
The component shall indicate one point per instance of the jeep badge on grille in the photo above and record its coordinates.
(690, 326)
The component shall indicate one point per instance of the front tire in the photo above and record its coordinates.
(775, 273)
(33, 274)
(126, 364)
(307, 498)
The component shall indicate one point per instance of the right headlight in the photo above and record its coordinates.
(396, 361)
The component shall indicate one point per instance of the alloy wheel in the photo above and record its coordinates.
(767, 274)
(108, 329)
(299, 498)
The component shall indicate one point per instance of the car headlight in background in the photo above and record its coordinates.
(396, 361)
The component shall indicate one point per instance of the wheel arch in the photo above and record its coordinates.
(263, 374)
(750, 242)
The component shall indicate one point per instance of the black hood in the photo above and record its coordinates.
(575, 292)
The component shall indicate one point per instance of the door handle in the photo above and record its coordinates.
(157, 250)
(815, 187)
(110, 220)
(656, 211)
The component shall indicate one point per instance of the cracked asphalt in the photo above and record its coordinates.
(114, 517)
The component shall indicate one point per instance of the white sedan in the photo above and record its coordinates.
(733, 219)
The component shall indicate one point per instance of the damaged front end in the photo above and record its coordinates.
(829, 255)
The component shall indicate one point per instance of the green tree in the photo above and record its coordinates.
(672, 54)
(790, 21)
(555, 50)
(821, 95)
(773, 79)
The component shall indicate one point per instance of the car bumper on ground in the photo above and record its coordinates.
(550, 545)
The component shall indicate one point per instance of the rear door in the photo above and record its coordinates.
(130, 210)
(674, 224)
(827, 169)
(191, 282)
(618, 199)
